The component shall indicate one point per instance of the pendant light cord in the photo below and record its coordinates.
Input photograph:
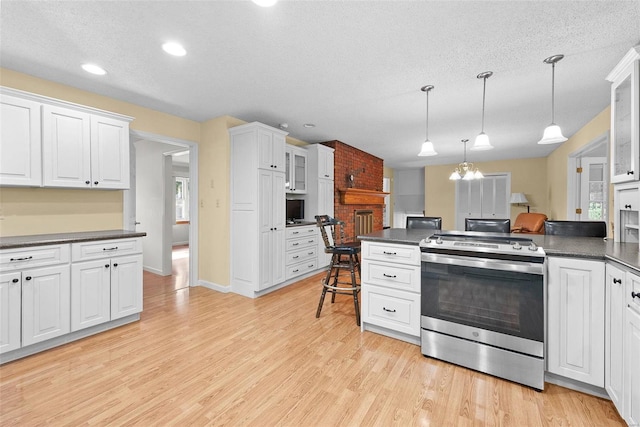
(484, 92)
(553, 90)
(427, 121)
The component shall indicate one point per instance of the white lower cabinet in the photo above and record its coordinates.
(632, 377)
(575, 319)
(614, 334)
(90, 293)
(10, 301)
(302, 250)
(45, 303)
(391, 290)
(34, 295)
(126, 286)
(631, 368)
(51, 291)
(106, 288)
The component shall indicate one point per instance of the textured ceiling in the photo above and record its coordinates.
(354, 68)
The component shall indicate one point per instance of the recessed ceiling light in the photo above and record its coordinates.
(94, 69)
(265, 3)
(309, 125)
(174, 49)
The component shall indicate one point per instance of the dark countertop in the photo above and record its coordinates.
(57, 238)
(627, 254)
(300, 223)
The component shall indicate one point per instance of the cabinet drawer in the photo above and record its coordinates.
(392, 309)
(305, 242)
(629, 199)
(397, 276)
(294, 257)
(301, 268)
(37, 256)
(105, 248)
(404, 254)
(301, 231)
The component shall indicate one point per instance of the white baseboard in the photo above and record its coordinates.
(576, 385)
(154, 271)
(214, 286)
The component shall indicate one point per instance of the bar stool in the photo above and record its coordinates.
(344, 258)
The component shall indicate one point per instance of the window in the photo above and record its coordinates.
(182, 199)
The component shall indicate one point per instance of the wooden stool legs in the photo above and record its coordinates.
(332, 284)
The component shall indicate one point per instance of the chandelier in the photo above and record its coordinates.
(465, 170)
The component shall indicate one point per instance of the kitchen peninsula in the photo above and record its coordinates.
(591, 299)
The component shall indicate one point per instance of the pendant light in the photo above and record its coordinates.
(482, 140)
(465, 170)
(552, 133)
(427, 146)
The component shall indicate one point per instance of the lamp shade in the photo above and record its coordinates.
(552, 135)
(518, 198)
(427, 149)
(481, 143)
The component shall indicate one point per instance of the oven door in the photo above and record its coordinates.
(495, 300)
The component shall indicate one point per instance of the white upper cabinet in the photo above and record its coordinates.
(52, 143)
(109, 153)
(20, 152)
(625, 118)
(271, 148)
(295, 169)
(66, 147)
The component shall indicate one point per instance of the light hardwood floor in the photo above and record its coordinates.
(199, 357)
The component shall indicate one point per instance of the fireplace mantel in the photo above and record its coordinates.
(358, 196)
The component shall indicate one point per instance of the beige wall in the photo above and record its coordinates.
(557, 164)
(38, 210)
(528, 176)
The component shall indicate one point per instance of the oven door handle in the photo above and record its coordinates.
(486, 263)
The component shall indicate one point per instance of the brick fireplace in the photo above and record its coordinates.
(367, 172)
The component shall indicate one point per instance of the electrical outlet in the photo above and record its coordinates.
(217, 203)
(202, 203)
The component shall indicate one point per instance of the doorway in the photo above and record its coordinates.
(150, 204)
(588, 182)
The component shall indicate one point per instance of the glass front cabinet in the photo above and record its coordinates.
(625, 118)
(296, 169)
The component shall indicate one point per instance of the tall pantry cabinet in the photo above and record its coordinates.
(320, 190)
(257, 208)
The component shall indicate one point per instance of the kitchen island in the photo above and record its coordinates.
(591, 300)
(627, 254)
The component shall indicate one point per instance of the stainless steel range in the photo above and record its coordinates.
(483, 304)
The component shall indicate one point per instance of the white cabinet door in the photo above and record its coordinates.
(632, 359)
(575, 320)
(625, 127)
(109, 153)
(271, 150)
(90, 293)
(614, 334)
(325, 163)
(278, 219)
(66, 147)
(45, 303)
(20, 150)
(10, 296)
(271, 216)
(126, 286)
(325, 207)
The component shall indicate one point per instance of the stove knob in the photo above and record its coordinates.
(533, 247)
(439, 241)
(517, 246)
